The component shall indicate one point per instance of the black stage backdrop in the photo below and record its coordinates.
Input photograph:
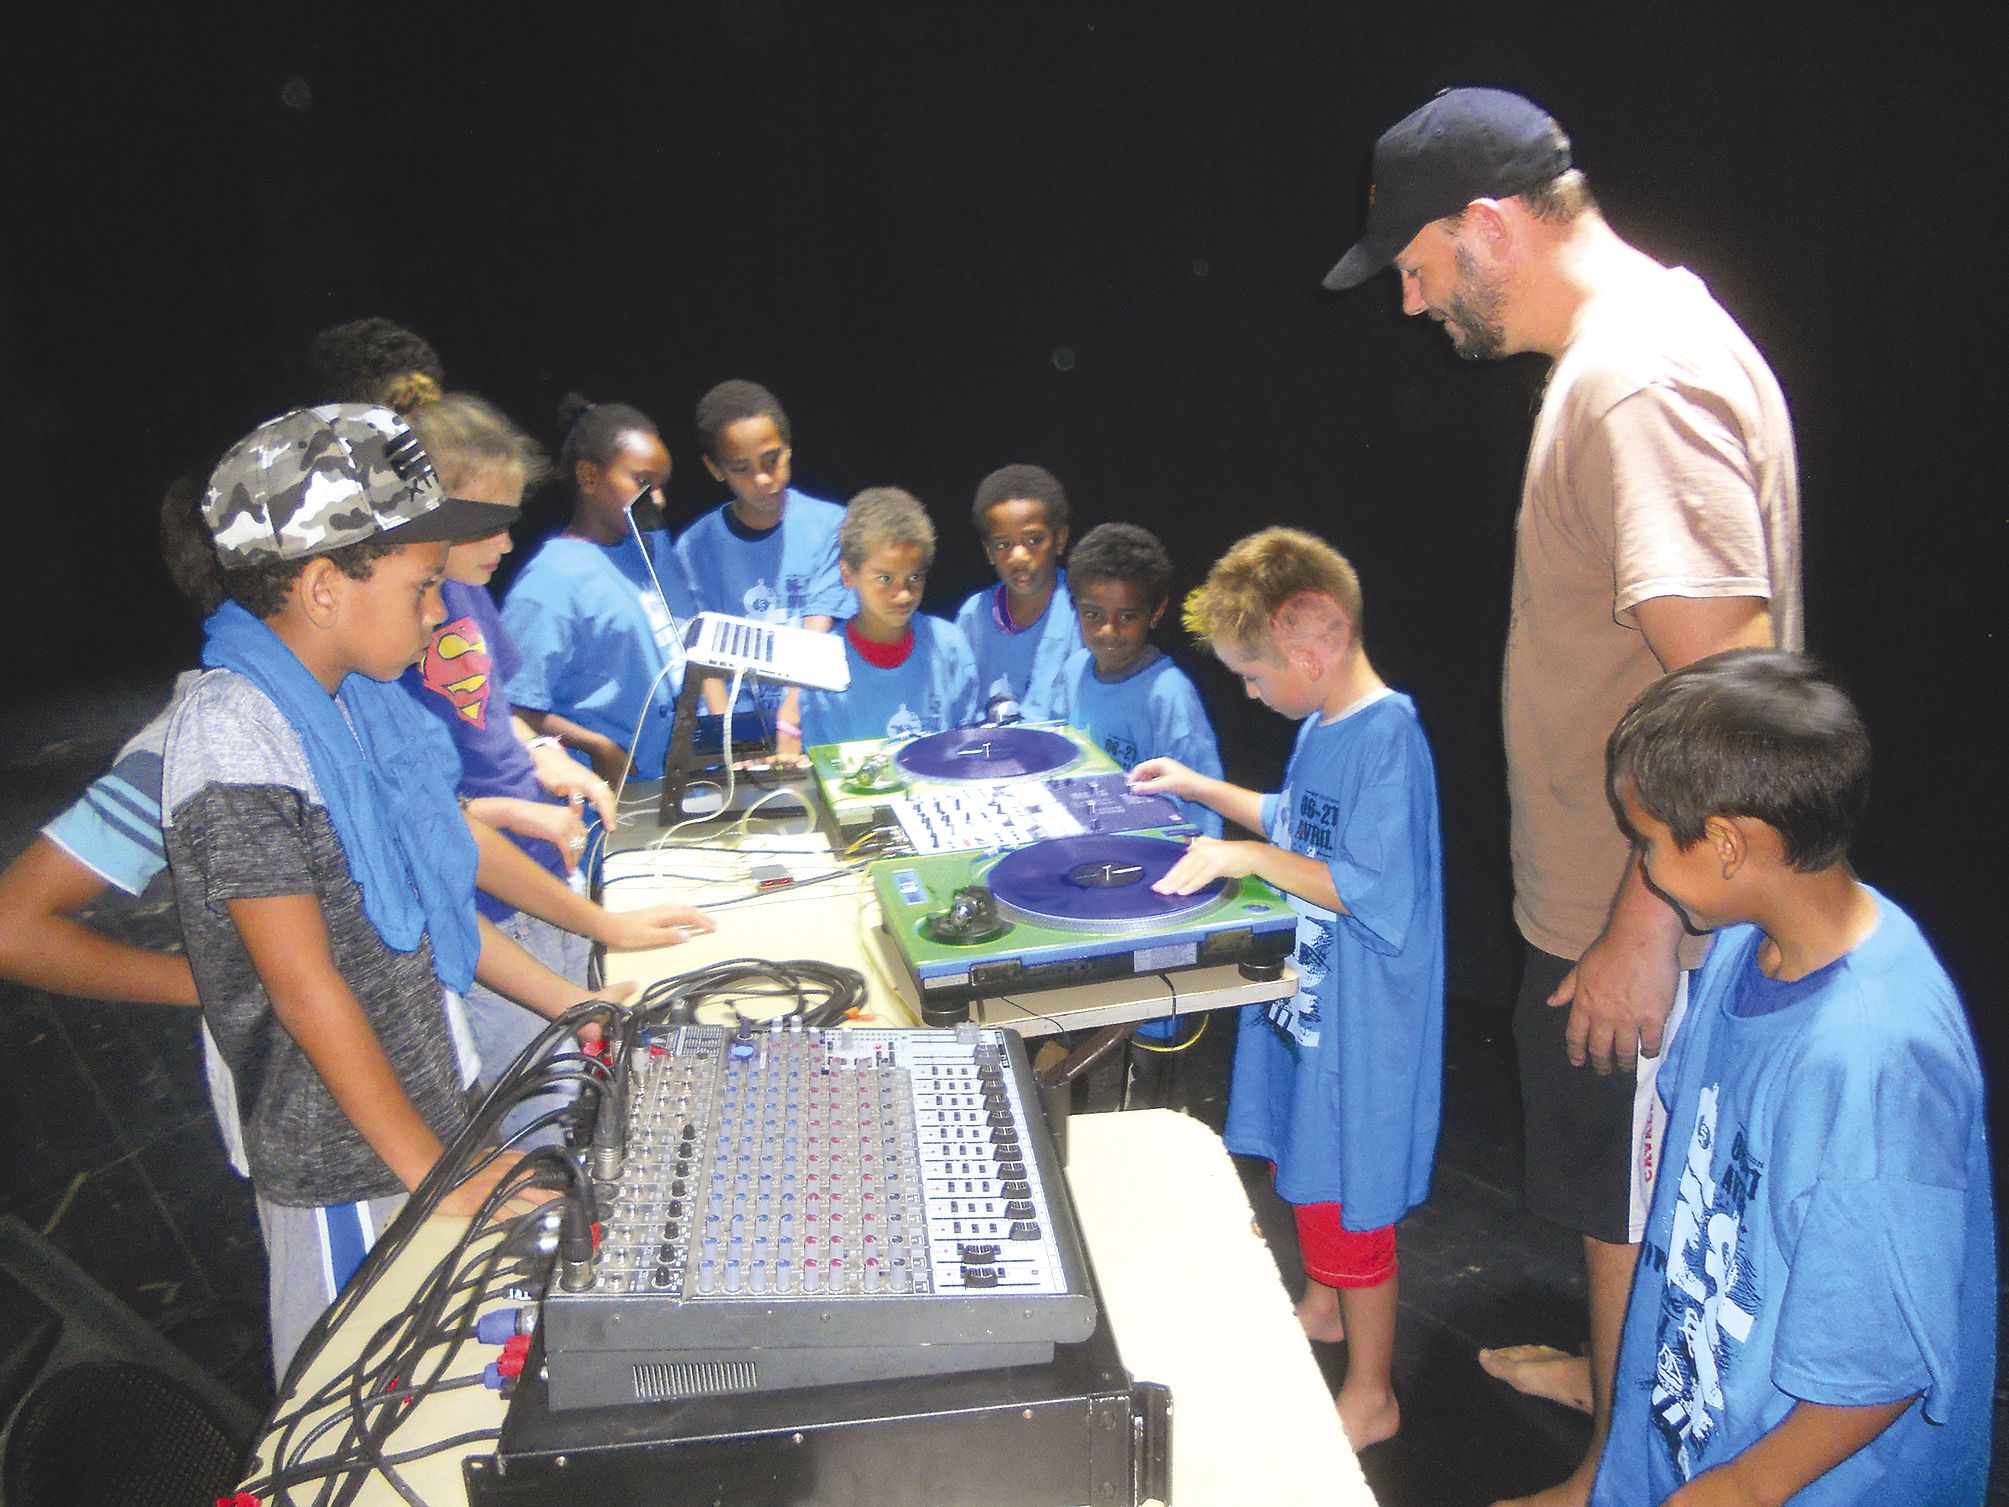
(955, 235)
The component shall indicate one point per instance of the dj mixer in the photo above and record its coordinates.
(800, 1207)
(1067, 910)
(977, 815)
(860, 780)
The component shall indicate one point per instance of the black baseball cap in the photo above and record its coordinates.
(1465, 144)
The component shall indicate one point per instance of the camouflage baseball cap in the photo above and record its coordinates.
(316, 479)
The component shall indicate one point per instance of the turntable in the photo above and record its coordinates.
(1067, 911)
(859, 780)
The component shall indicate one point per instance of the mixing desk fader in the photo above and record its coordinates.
(799, 1207)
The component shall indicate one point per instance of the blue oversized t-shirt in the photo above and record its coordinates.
(1028, 664)
(1153, 712)
(1822, 1229)
(1341, 1086)
(778, 575)
(595, 639)
(934, 689)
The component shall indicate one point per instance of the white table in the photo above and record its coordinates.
(1193, 1298)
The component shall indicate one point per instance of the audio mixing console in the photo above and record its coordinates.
(799, 1207)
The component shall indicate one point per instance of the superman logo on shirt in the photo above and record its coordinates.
(456, 666)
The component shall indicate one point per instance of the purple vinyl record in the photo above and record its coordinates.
(987, 753)
(1100, 882)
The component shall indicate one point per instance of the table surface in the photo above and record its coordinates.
(1193, 1298)
(826, 910)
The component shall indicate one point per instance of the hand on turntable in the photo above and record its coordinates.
(1208, 859)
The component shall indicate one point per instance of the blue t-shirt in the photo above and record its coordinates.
(1028, 664)
(1153, 712)
(459, 679)
(778, 575)
(113, 828)
(595, 638)
(931, 691)
(1822, 1228)
(1341, 1086)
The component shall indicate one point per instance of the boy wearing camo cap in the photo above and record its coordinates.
(323, 874)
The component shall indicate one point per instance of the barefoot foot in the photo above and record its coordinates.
(1367, 1420)
(1541, 1371)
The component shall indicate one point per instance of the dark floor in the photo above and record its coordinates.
(106, 1146)
(1475, 1271)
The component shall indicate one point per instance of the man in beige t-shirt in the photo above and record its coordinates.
(1659, 523)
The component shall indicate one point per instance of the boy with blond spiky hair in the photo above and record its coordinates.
(1338, 1087)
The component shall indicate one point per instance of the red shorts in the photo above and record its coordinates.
(1341, 1257)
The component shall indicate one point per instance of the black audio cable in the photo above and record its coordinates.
(818, 994)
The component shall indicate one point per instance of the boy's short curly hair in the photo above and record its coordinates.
(1123, 552)
(261, 589)
(733, 402)
(880, 516)
(1020, 483)
(186, 547)
(374, 360)
(1758, 733)
(1275, 591)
